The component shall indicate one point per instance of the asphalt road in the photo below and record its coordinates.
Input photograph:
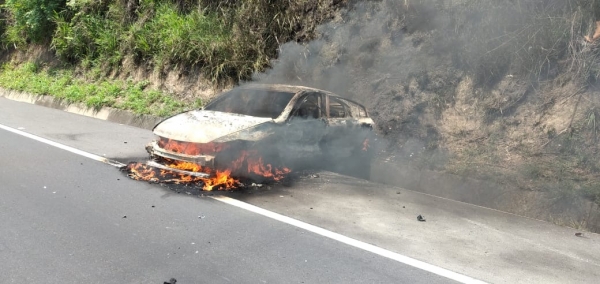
(73, 231)
(69, 219)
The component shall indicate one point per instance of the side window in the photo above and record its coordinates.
(355, 110)
(337, 108)
(308, 107)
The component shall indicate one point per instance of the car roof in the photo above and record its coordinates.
(292, 89)
(282, 88)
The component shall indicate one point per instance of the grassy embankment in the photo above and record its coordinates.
(542, 44)
(221, 41)
(60, 83)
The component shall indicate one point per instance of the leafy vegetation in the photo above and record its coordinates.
(32, 20)
(226, 41)
(60, 83)
(223, 41)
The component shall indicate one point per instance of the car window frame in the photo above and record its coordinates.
(298, 102)
(344, 103)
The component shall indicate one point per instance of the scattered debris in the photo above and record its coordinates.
(421, 218)
(124, 217)
(579, 234)
(171, 281)
(201, 217)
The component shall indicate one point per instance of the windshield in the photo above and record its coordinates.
(258, 103)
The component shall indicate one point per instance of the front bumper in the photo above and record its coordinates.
(202, 160)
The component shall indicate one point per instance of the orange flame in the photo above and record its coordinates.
(187, 166)
(248, 163)
(255, 165)
(221, 180)
(190, 148)
(258, 167)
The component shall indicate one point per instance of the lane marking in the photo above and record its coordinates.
(281, 218)
(64, 147)
(349, 241)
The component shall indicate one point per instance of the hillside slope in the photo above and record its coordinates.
(505, 92)
(499, 92)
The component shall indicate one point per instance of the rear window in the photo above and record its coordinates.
(354, 109)
(337, 108)
(257, 103)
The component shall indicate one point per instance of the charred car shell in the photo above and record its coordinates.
(284, 123)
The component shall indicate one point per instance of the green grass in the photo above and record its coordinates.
(163, 38)
(60, 83)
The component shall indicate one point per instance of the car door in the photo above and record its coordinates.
(306, 125)
(341, 125)
(303, 130)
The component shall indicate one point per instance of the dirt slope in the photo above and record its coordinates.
(452, 89)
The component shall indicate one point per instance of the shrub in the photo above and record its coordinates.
(32, 19)
(197, 38)
(226, 40)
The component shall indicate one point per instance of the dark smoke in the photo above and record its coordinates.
(375, 55)
(404, 59)
(366, 44)
(414, 63)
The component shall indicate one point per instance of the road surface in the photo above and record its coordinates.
(74, 230)
(69, 219)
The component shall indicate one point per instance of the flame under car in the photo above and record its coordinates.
(261, 131)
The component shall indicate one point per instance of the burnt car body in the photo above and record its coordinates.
(287, 125)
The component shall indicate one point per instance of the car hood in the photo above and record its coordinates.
(203, 126)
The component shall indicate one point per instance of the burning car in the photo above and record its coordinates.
(261, 131)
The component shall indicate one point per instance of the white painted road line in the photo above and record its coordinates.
(275, 216)
(63, 147)
(349, 241)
